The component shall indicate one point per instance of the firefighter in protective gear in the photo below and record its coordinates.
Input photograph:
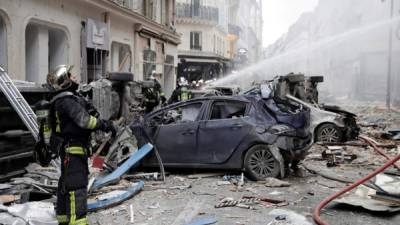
(157, 86)
(71, 125)
(181, 93)
(154, 95)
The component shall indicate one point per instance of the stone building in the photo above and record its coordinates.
(96, 36)
(218, 36)
(245, 32)
(203, 25)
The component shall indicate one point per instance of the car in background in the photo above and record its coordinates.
(236, 132)
(331, 123)
(328, 123)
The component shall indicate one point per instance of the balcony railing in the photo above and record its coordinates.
(206, 13)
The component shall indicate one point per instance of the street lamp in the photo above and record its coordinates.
(390, 49)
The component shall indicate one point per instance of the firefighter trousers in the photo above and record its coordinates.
(71, 205)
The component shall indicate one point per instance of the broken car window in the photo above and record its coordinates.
(182, 113)
(227, 110)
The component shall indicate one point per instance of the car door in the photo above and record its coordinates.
(176, 138)
(226, 125)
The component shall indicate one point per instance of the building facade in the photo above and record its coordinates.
(203, 25)
(357, 53)
(245, 32)
(96, 36)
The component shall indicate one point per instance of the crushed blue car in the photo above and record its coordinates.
(244, 132)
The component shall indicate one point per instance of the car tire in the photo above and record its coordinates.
(259, 163)
(328, 133)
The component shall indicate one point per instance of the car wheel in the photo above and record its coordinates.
(259, 163)
(328, 133)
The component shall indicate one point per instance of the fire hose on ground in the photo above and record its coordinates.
(323, 203)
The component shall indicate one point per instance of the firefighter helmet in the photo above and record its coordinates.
(60, 78)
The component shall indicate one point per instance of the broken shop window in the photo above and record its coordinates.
(227, 110)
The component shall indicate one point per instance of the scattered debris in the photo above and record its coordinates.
(115, 197)
(235, 179)
(223, 182)
(229, 202)
(8, 198)
(388, 184)
(290, 217)
(190, 211)
(335, 155)
(203, 221)
(116, 175)
(203, 193)
(33, 213)
(275, 193)
(154, 206)
(181, 187)
(268, 201)
(122, 148)
(274, 182)
(143, 176)
(204, 175)
(393, 134)
(132, 220)
(362, 197)
(280, 217)
(355, 144)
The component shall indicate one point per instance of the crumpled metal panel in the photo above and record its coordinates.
(116, 174)
(361, 197)
(115, 197)
(104, 99)
(121, 149)
(32, 213)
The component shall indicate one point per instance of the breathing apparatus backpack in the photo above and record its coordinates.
(42, 148)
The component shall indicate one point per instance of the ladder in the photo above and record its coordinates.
(19, 104)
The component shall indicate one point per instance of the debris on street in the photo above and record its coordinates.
(35, 213)
(336, 155)
(274, 182)
(203, 221)
(116, 175)
(288, 217)
(243, 203)
(114, 198)
(363, 196)
(204, 175)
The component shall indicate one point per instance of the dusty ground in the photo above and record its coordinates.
(160, 205)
